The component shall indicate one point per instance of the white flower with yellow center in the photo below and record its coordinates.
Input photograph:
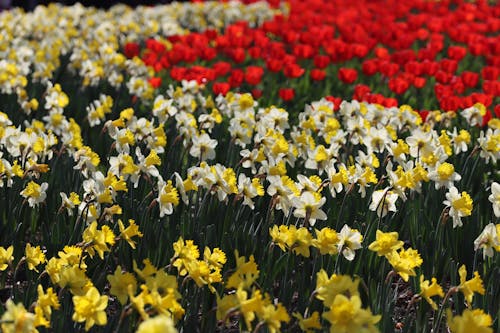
(376, 139)
(488, 240)
(383, 201)
(474, 114)
(55, 98)
(163, 108)
(249, 188)
(69, 203)
(147, 164)
(349, 240)
(35, 193)
(494, 198)
(337, 179)
(282, 191)
(460, 140)
(444, 175)
(489, 142)
(308, 207)
(460, 205)
(312, 183)
(203, 147)
(168, 197)
(319, 158)
(420, 143)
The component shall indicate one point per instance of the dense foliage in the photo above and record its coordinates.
(251, 166)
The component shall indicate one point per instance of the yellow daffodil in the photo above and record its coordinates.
(34, 256)
(246, 273)
(6, 257)
(90, 308)
(385, 243)
(16, 319)
(158, 324)
(404, 262)
(327, 288)
(308, 325)
(120, 282)
(346, 315)
(469, 287)
(47, 300)
(430, 289)
(470, 321)
(131, 231)
(326, 241)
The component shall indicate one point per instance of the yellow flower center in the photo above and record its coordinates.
(445, 171)
(464, 204)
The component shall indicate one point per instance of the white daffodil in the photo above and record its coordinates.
(168, 197)
(444, 175)
(282, 191)
(349, 241)
(35, 193)
(308, 207)
(383, 201)
(203, 147)
(494, 198)
(487, 240)
(460, 205)
(474, 114)
(249, 188)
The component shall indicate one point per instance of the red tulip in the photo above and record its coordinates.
(388, 69)
(469, 79)
(208, 53)
(221, 68)
(449, 65)
(274, 65)
(370, 66)
(155, 82)
(497, 110)
(419, 82)
(361, 91)
(221, 88)
(236, 78)
(450, 103)
(256, 93)
(398, 85)
(347, 75)
(486, 118)
(318, 74)
(390, 102)
(457, 52)
(286, 94)
(382, 53)
(321, 61)
(155, 46)
(423, 114)
(443, 77)
(490, 73)
(131, 50)
(303, 51)
(238, 55)
(255, 52)
(178, 73)
(336, 102)
(430, 67)
(253, 75)
(491, 88)
(293, 71)
(414, 67)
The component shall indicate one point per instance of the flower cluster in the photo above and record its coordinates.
(357, 167)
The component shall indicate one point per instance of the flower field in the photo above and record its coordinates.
(298, 166)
